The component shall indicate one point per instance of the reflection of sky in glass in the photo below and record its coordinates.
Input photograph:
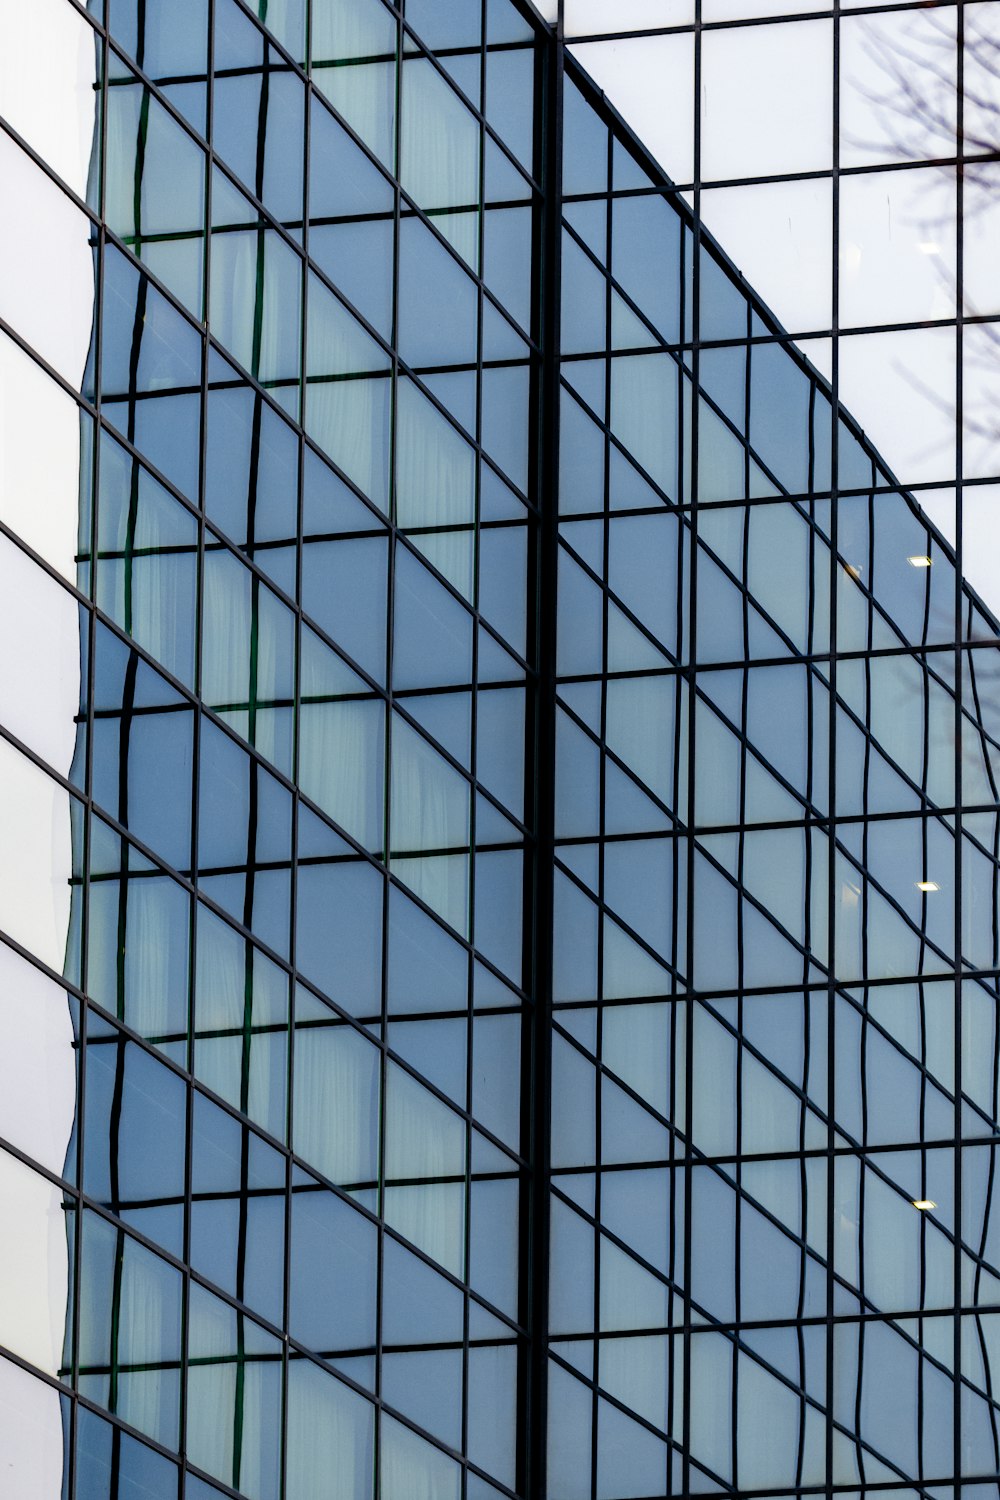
(762, 174)
(671, 994)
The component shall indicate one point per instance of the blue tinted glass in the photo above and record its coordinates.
(358, 258)
(585, 146)
(344, 585)
(342, 179)
(339, 923)
(437, 26)
(437, 301)
(143, 750)
(150, 351)
(135, 1138)
(510, 82)
(433, 632)
(332, 1245)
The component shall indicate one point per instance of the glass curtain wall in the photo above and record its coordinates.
(774, 984)
(354, 1142)
(292, 792)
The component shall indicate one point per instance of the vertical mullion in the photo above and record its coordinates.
(543, 604)
(387, 758)
(473, 762)
(602, 807)
(831, 1001)
(286, 1291)
(959, 695)
(691, 481)
(198, 646)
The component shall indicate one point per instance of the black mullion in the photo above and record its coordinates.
(680, 1010)
(832, 912)
(389, 712)
(199, 636)
(922, 1017)
(741, 858)
(77, 1006)
(811, 855)
(959, 794)
(598, 1083)
(689, 390)
(474, 796)
(771, 179)
(532, 1467)
(728, 24)
(291, 1008)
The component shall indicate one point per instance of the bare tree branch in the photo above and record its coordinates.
(914, 105)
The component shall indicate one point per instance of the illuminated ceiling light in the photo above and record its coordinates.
(928, 885)
(918, 560)
(929, 247)
(924, 1204)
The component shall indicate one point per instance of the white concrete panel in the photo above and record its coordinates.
(30, 1436)
(39, 459)
(40, 681)
(46, 270)
(35, 860)
(34, 1263)
(47, 69)
(49, 40)
(37, 1062)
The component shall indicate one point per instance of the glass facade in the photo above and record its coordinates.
(500, 902)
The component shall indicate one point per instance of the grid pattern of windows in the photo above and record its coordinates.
(300, 828)
(774, 980)
(525, 860)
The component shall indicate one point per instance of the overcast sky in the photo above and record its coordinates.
(767, 112)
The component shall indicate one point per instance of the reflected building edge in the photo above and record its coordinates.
(517, 778)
